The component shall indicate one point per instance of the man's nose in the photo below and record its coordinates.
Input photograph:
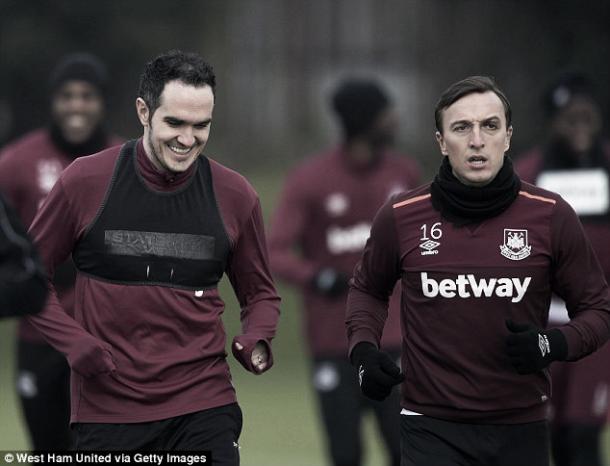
(186, 137)
(476, 139)
(76, 103)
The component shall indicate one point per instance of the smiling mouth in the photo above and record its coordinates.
(180, 150)
(76, 121)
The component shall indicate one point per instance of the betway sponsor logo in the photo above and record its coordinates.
(466, 286)
(350, 239)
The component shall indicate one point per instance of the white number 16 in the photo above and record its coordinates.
(435, 231)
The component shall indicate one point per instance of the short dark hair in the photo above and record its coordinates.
(470, 85)
(187, 67)
(357, 102)
(564, 88)
(80, 66)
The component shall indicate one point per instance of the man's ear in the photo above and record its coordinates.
(441, 143)
(509, 134)
(142, 111)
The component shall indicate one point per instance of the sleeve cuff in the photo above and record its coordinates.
(244, 356)
(361, 336)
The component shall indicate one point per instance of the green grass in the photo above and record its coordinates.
(281, 425)
(280, 412)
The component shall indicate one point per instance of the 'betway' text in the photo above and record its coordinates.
(466, 286)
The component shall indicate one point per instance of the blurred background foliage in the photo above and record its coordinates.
(277, 60)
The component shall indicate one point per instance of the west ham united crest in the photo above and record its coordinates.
(516, 246)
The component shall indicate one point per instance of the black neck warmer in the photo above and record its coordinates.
(97, 142)
(462, 205)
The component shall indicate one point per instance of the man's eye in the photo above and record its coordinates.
(202, 126)
(491, 125)
(460, 128)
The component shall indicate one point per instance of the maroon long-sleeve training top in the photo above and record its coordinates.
(29, 167)
(323, 219)
(146, 352)
(459, 285)
(590, 202)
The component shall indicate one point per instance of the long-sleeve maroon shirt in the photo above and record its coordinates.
(530, 166)
(145, 352)
(323, 219)
(29, 167)
(459, 285)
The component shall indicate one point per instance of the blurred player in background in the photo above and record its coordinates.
(23, 285)
(152, 226)
(317, 234)
(575, 162)
(29, 167)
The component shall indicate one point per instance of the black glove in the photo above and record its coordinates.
(330, 283)
(530, 349)
(377, 373)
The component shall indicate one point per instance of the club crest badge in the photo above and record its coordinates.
(516, 246)
(336, 204)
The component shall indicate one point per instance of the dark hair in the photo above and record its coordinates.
(187, 67)
(470, 85)
(80, 66)
(357, 103)
(564, 88)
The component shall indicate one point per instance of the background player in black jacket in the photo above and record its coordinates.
(22, 281)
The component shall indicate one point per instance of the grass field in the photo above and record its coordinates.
(280, 413)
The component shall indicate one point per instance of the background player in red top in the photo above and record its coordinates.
(575, 162)
(479, 254)
(29, 167)
(317, 234)
(152, 226)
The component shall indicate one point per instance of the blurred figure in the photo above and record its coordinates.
(29, 168)
(23, 288)
(575, 162)
(317, 234)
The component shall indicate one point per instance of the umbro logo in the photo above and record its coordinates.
(543, 344)
(429, 247)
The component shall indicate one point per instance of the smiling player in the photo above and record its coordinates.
(153, 226)
(29, 167)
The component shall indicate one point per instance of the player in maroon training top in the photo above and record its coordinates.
(29, 167)
(152, 227)
(478, 254)
(325, 212)
(575, 162)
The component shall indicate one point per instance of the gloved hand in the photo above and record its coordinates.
(530, 349)
(377, 373)
(330, 282)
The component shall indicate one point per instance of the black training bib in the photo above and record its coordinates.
(141, 236)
